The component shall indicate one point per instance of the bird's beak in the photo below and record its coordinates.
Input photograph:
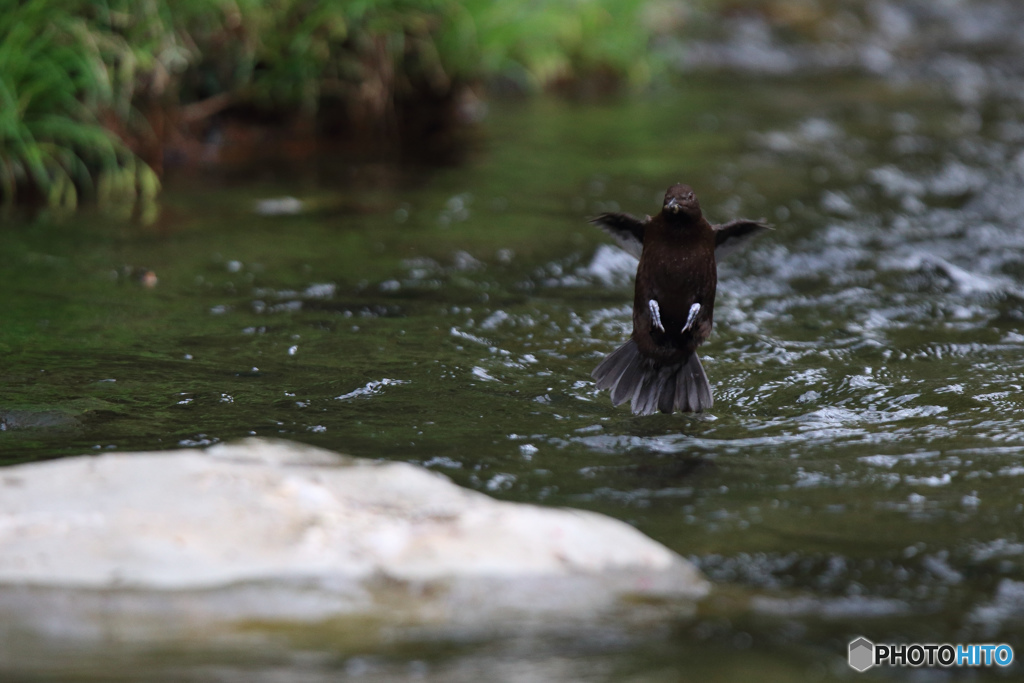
(672, 205)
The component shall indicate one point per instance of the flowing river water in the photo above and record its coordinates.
(861, 473)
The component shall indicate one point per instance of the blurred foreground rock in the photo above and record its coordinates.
(198, 544)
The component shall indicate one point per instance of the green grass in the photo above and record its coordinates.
(79, 80)
(50, 102)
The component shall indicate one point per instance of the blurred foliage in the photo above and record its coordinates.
(54, 85)
(85, 84)
(546, 41)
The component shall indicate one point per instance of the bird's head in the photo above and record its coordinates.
(681, 202)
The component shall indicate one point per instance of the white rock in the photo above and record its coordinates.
(279, 206)
(147, 543)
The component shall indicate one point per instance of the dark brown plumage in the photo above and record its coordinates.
(673, 304)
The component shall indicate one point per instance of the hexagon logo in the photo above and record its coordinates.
(862, 654)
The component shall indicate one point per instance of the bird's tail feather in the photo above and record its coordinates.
(650, 388)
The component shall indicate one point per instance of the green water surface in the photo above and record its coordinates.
(860, 474)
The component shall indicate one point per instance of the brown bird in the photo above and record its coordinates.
(673, 304)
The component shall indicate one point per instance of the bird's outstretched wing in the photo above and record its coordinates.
(627, 230)
(734, 235)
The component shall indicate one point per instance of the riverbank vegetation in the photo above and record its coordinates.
(94, 95)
